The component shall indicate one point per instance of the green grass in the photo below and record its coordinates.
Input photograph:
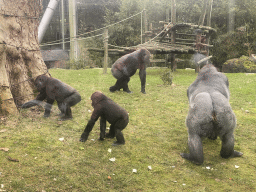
(155, 137)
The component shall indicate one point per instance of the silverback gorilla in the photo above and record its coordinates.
(53, 89)
(210, 114)
(126, 66)
(109, 111)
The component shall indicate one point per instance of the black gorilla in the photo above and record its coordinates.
(126, 66)
(53, 89)
(109, 111)
(210, 114)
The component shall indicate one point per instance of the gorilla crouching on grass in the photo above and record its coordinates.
(126, 66)
(109, 111)
(53, 89)
(210, 114)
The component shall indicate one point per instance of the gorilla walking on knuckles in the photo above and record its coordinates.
(109, 111)
(126, 66)
(210, 114)
(53, 89)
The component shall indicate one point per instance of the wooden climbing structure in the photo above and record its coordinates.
(174, 38)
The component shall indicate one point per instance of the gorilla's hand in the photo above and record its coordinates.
(30, 104)
(84, 137)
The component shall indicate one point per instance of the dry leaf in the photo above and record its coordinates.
(11, 159)
(4, 149)
(3, 130)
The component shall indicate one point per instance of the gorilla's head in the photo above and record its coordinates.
(40, 82)
(97, 97)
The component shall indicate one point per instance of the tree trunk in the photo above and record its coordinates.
(20, 57)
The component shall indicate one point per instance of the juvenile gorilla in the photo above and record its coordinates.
(210, 114)
(53, 89)
(109, 111)
(126, 66)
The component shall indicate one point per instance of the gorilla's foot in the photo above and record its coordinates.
(113, 89)
(237, 154)
(82, 139)
(101, 139)
(108, 135)
(128, 91)
(118, 143)
(188, 157)
(46, 115)
(64, 118)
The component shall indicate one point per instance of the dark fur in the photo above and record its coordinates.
(210, 114)
(53, 89)
(109, 111)
(126, 66)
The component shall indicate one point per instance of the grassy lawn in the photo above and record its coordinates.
(155, 137)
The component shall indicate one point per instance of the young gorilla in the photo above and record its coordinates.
(210, 114)
(109, 111)
(53, 89)
(126, 66)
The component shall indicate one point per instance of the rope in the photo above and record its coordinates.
(94, 30)
(71, 40)
(3, 43)
(6, 15)
(20, 83)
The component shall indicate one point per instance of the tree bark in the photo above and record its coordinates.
(20, 57)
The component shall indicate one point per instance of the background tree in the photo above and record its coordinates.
(20, 56)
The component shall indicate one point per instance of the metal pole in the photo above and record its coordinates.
(105, 67)
(46, 19)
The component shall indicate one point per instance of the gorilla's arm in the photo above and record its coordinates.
(40, 97)
(102, 128)
(95, 115)
(142, 74)
(87, 130)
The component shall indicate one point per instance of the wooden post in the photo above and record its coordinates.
(72, 30)
(145, 24)
(167, 19)
(209, 13)
(173, 12)
(105, 41)
(173, 33)
(231, 15)
(62, 24)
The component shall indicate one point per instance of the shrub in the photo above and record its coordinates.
(166, 77)
(238, 65)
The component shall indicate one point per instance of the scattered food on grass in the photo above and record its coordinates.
(112, 159)
(61, 139)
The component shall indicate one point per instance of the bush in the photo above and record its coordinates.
(229, 46)
(238, 65)
(166, 77)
